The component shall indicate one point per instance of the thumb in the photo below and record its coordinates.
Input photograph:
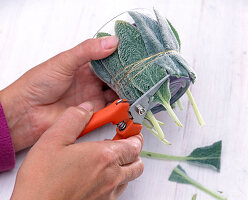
(71, 123)
(69, 61)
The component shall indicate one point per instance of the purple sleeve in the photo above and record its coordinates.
(7, 153)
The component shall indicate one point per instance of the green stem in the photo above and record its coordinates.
(179, 104)
(145, 123)
(194, 197)
(196, 110)
(171, 113)
(149, 154)
(158, 129)
(161, 123)
(201, 187)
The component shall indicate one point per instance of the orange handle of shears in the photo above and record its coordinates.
(114, 113)
(131, 130)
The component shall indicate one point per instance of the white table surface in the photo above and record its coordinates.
(214, 37)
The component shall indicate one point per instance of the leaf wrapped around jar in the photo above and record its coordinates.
(148, 51)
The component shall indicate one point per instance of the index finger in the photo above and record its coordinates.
(129, 149)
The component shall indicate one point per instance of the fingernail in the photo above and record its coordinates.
(87, 106)
(109, 42)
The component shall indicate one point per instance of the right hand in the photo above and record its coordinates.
(57, 168)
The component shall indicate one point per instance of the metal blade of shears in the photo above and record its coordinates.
(140, 107)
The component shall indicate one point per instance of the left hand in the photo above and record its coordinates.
(57, 168)
(34, 101)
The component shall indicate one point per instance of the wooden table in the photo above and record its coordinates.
(214, 37)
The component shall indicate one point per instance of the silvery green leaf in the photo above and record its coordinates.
(98, 68)
(175, 33)
(184, 66)
(179, 175)
(132, 49)
(150, 33)
(169, 40)
(208, 156)
(131, 45)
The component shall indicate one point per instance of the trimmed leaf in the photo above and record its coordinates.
(208, 156)
(179, 175)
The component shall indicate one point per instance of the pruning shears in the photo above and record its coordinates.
(126, 115)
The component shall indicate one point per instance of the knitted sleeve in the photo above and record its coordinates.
(7, 153)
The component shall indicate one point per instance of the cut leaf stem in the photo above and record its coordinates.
(180, 176)
(146, 124)
(172, 114)
(196, 110)
(149, 154)
(156, 126)
(179, 104)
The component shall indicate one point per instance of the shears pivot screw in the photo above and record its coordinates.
(140, 110)
(121, 126)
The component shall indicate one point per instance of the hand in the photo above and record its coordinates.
(56, 168)
(34, 102)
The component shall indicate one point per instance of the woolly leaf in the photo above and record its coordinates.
(169, 39)
(179, 175)
(149, 30)
(131, 50)
(131, 46)
(113, 65)
(100, 71)
(183, 66)
(175, 33)
(167, 61)
(207, 156)
(152, 38)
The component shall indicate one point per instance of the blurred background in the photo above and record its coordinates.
(214, 37)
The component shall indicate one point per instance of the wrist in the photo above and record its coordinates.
(14, 111)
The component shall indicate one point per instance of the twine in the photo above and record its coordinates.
(135, 66)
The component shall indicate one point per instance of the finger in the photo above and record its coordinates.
(128, 150)
(132, 171)
(119, 190)
(92, 49)
(72, 122)
(110, 95)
